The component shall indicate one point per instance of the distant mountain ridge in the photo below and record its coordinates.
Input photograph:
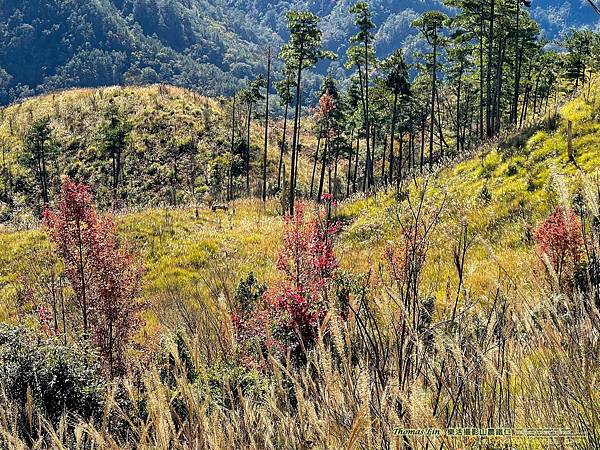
(209, 45)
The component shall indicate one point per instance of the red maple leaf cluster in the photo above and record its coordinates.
(560, 238)
(102, 272)
(326, 105)
(289, 314)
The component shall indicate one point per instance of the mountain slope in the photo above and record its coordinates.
(169, 142)
(172, 145)
(492, 316)
(52, 44)
(208, 45)
(501, 193)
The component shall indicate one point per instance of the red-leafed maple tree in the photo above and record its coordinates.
(290, 312)
(326, 106)
(102, 272)
(559, 238)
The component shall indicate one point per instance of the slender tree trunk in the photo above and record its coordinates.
(247, 154)
(489, 72)
(481, 25)
(526, 96)
(423, 118)
(468, 121)
(498, 86)
(314, 169)
(393, 133)
(356, 163)
(230, 184)
(372, 159)
(282, 149)
(44, 173)
(323, 164)
(384, 180)
(299, 146)
(349, 175)
(81, 264)
(264, 186)
(570, 151)
(458, 116)
(400, 157)
(410, 163)
(367, 121)
(295, 138)
(367, 165)
(535, 94)
(518, 60)
(432, 110)
(335, 172)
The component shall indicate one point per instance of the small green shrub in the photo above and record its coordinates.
(59, 378)
(512, 169)
(485, 195)
(248, 292)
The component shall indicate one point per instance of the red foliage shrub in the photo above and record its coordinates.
(289, 313)
(326, 106)
(45, 318)
(102, 272)
(559, 238)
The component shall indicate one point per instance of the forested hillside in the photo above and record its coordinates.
(137, 146)
(479, 74)
(52, 44)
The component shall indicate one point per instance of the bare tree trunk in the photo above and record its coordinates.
(423, 118)
(367, 122)
(570, 142)
(458, 117)
(349, 175)
(432, 110)
(230, 184)
(356, 162)
(489, 72)
(393, 134)
(247, 154)
(518, 56)
(295, 138)
(264, 186)
(481, 25)
(282, 149)
(314, 169)
(323, 164)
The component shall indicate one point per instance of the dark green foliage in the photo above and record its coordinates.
(512, 169)
(221, 382)
(59, 378)
(53, 44)
(248, 292)
(114, 135)
(579, 45)
(204, 44)
(175, 359)
(485, 195)
(37, 152)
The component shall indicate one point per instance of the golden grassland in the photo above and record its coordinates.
(500, 195)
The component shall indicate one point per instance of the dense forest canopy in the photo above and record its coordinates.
(477, 71)
(52, 44)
